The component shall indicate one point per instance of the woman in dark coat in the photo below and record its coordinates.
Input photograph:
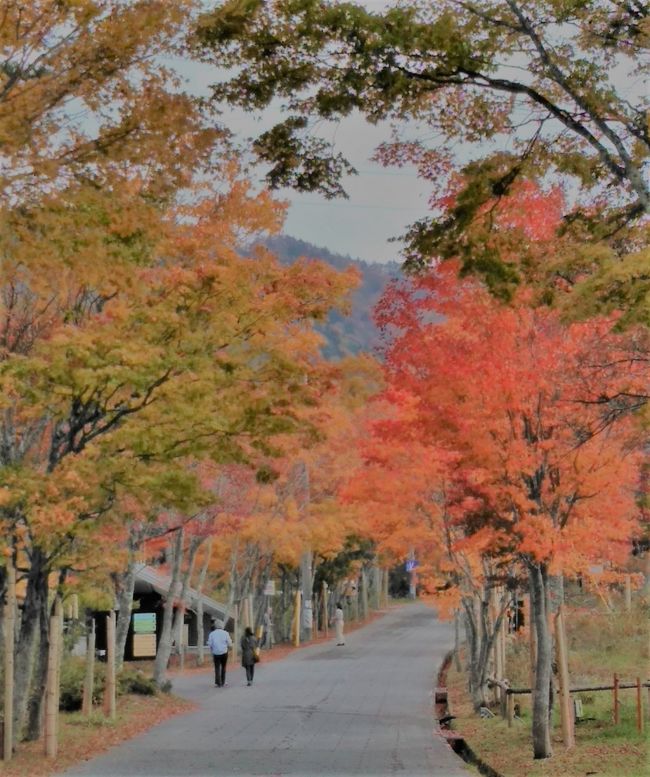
(248, 654)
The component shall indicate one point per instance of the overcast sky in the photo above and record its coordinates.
(382, 202)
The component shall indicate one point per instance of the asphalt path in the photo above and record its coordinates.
(323, 711)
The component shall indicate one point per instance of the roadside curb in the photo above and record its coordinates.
(455, 739)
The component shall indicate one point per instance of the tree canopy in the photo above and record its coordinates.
(482, 95)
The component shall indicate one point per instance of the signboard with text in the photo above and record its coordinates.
(144, 646)
(144, 634)
(144, 622)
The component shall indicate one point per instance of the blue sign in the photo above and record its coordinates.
(411, 564)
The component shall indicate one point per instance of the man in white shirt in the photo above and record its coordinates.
(219, 642)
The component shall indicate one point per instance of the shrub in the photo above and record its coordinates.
(135, 681)
(73, 670)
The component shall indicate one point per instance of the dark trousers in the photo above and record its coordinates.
(250, 672)
(220, 669)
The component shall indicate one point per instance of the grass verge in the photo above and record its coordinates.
(83, 738)
(600, 644)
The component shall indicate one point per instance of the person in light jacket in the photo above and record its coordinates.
(219, 643)
(248, 657)
(339, 623)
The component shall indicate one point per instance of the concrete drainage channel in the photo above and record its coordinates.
(443, 722)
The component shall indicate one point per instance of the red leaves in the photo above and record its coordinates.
(497, 432)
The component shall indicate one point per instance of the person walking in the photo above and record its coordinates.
(339, 623)
(219, 642)
(267, 638)
(249, 654)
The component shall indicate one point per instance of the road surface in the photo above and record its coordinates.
(324, 711)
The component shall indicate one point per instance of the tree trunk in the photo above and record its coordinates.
(481, 633)
(34, 605)
(36, 701)
(457, 664)
(124, 588)
(165, 643)
(179, 614)
(472, 621)
(306, 585)
(543, 666)
(364, 592)
(200, 656)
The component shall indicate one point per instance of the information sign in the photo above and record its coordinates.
(144, 622)
(144, 645)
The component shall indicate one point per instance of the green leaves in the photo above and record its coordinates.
(539, 79)
(304, 164)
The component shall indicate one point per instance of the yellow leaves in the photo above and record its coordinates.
(291, 509)
(53, 118)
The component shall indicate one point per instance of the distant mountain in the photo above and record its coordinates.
(356, 332)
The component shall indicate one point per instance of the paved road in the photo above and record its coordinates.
(324, 711)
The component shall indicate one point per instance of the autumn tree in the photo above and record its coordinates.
(545, 474)
(526, 90)
(147, 364)
(83, 96)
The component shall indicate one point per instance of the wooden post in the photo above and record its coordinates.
(639, 706)
(628, 593)
(10, 628)
(109, 692)
(532, 636)
(498, 653)
(616, 710)
(58, 611)
(296, 620)
(75, 607)
(510, 702)
(51, 711)
(386, 581)
(89, 677)
(566, 713)
(503, 630)
(325, 610)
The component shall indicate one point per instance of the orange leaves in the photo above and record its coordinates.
(496, 432)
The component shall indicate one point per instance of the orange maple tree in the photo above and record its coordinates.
(507, 400)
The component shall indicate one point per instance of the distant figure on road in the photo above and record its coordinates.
(249, 654)
(338, 621)
(219, 642)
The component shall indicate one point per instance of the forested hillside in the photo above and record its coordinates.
(356, 331)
